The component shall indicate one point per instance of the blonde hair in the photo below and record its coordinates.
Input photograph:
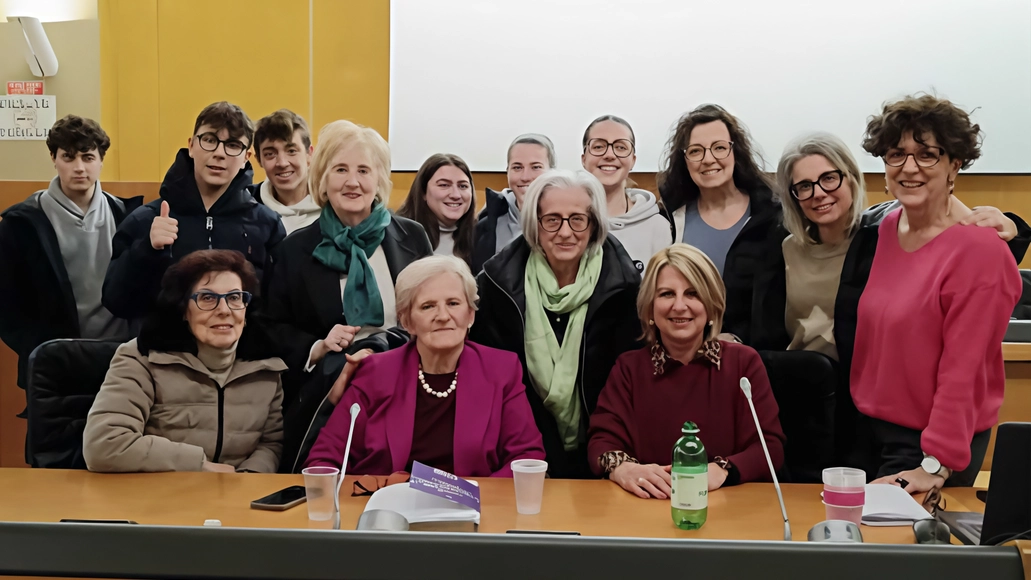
(340, 135)
(565, 179)
(421, 271)
(837, 154)
(700, 273)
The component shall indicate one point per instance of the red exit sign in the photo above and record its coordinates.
(24, 87)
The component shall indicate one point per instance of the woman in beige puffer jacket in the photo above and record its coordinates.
(200, 389)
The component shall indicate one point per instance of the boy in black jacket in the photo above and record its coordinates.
(56, 245)
(204, 204)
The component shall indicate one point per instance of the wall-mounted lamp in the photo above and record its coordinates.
(31, 14)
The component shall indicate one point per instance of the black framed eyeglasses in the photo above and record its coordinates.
(719, 150)
(828, 182)
(232, 147)
(620, 147)
(237, 300)
(578, 222)
(927, 156)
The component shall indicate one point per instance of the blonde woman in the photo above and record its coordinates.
(683, 374)
(333, 281)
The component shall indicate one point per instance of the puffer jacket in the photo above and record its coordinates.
(164, 411)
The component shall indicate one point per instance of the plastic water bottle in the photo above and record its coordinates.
(689, 480)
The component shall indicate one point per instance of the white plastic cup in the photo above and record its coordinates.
(844, 493)
(528, 475)
(320, 484)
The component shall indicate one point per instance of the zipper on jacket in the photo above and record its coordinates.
(221, 422)
(522, 322)
(209, 225)
(247, 242)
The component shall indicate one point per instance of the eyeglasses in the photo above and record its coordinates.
(828, 182)
(578, 222)
(210, 141)
(620, 147)
(719, 150)
(925, 157)
(209, 300)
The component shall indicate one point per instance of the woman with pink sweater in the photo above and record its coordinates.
(927, 375)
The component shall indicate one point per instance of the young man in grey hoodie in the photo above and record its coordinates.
(56, 245)
(282, 143)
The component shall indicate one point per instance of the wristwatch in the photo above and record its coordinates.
(931, 465)
(724, 463)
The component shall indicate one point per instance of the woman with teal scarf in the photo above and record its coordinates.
(562, 297)
(332, 283)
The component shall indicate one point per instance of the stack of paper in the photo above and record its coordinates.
(417, 506)
(888, 505)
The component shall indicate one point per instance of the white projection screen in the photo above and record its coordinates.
(467, 76)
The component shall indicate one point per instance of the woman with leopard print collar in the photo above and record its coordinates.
(684, 374)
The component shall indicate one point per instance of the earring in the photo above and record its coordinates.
(952, 186)
(651, 323)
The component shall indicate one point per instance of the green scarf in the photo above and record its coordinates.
(347, 250)
(553, 366)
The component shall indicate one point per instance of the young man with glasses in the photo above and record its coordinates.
(55, 247)
(204, 204)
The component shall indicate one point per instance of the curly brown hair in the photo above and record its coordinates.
(77, 134)
(675, 184)
(924, 115)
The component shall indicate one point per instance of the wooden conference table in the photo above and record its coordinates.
(593, 508)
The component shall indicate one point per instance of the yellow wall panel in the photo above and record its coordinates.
(352, 62)
(253, 53)
(130, 84)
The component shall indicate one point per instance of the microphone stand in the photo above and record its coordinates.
(746, 386)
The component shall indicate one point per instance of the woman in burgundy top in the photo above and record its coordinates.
(439, 400)
(685, 374)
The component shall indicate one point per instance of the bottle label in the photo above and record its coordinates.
(690, 487)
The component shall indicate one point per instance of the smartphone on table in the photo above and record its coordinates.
(281, 500)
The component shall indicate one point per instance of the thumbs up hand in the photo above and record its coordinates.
(163, 230)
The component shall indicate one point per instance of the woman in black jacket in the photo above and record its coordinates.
(563, 298)
(721, 201)
(332, 283)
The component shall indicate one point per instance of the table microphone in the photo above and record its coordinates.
(746, 386)
(355, 409)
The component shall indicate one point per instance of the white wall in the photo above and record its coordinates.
(467, 76)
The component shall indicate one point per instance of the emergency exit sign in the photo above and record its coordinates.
(24, 87)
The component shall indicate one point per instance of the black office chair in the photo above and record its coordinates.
(1022, 311)
(65, 376)
(804, 385)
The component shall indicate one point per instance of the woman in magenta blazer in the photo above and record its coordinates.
(439, 400)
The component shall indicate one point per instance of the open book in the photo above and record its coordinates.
(888, 505)
(418, 506)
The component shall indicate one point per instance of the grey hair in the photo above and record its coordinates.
(837, 153)
(421, 271)
(566, 179)
(533, 139)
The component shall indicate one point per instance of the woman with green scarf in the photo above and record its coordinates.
(332, 282)
(562, 297)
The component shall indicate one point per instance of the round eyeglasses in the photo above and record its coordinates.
(620, 147)
(719, 150)
(578, 222)
(828, 182)
(925, 157)
(232, 147)
(209, 300)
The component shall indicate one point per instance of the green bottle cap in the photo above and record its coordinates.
(689, 427)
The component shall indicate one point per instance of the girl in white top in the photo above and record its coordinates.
(443, 200)
(635, 217)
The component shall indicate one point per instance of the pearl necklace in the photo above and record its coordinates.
(442, 394)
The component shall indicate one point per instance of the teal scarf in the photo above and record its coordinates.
(347, 250)
(553, 366)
